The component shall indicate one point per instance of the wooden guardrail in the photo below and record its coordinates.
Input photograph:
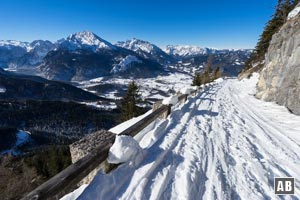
(66, 181)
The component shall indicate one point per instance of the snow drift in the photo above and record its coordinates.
(125, 149)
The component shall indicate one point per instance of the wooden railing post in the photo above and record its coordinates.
(194, 93)
(182, 98)
(167, 112)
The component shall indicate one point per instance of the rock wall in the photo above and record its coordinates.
(86, 145)
(280, 78)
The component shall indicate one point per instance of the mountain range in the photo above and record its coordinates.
(15, 54)
(84, 56)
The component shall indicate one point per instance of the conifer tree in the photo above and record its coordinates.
(217, 73)
(206, 77)
(209, 63)
(197, 80)
(278, 19)
(129, 108)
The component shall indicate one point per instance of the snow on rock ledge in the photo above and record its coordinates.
(125, 149)
(294, 12)
(187, 90)
(170, 100)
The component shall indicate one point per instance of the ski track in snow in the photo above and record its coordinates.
(221, 144)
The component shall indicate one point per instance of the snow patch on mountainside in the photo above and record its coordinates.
(22, 138)
(125, 64)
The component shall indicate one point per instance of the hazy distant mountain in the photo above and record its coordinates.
(10, 52)
(15, 54)
(146, 50)
(36, 51)
(187, 50)
(183, 51)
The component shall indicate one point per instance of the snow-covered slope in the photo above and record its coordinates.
(150, 88)
(221, 144)
(125, 64)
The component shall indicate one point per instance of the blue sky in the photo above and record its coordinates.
(211, 23)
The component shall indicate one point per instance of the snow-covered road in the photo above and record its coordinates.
(221, 144)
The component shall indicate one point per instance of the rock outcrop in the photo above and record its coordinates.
(280, 78)
(86, 145)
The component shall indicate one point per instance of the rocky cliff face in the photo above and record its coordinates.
(280, 78)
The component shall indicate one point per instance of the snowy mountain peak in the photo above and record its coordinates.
(36, 44)
(86, 40)
(137, 45)
(186, 50)
(40, 49)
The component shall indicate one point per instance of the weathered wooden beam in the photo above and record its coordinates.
(140, 125)
(66, 181)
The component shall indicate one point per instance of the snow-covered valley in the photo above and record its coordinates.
(221, 144)
(149, 88)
